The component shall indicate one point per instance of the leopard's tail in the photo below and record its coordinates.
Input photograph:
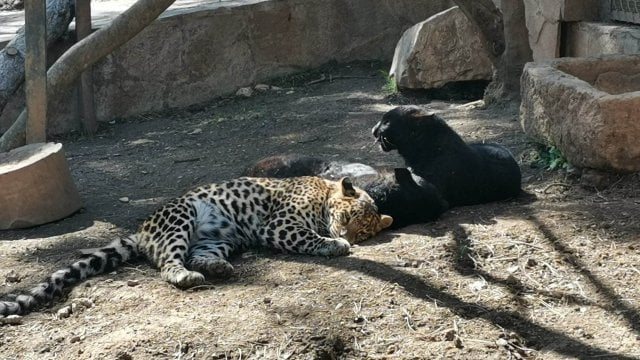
(101, 261)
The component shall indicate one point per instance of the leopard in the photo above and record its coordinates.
(192, 237)
(464, 173)
(406, 197)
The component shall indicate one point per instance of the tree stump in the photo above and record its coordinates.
(35, 186)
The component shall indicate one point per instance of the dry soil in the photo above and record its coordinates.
(553, 274)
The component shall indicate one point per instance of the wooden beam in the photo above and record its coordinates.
(87, 108)
(36, 70)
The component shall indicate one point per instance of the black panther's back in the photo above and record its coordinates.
(503, 178)
(395, 191)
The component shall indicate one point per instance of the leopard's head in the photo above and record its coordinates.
(353, 214)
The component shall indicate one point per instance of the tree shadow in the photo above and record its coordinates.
(535, 335)
(465, 265)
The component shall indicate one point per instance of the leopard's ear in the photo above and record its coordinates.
(347, 187)
(385, 222)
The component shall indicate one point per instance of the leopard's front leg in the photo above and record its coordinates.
(302, 240)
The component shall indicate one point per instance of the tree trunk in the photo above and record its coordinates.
(505, 87)
(87, 52)
(506, 38)
(59, 15)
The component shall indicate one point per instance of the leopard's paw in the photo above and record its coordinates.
(187, 279)
(211, 267)
(334, 247)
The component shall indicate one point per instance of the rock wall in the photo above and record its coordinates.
(192, 57)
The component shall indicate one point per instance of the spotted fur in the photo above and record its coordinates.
(193, 236)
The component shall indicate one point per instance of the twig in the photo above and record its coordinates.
(407, 318)
(525, 243)
(177, 161)
(314, 139)
(324, 78)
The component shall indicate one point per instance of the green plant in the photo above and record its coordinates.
(390, 85)
(552, 159)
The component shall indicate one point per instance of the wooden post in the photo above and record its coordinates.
(87, 109)
(36, 70)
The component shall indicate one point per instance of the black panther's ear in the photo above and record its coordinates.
(423, 114)
(347, 187)
(412, 110)
(403, 175)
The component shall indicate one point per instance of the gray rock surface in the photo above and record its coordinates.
(442, 49)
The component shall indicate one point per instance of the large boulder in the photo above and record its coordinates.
(587, 108)
(444, 48)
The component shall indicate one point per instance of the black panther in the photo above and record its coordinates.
(465, 174)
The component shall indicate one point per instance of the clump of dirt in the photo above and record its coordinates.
(550, 275)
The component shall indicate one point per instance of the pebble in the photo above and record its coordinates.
(502, 342)
(11, 320)
(124, 199)
(74, 339)
(64, 312)
(133, 282)
(12, 277)
(245, 92)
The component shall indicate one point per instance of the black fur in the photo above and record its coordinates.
(465, 174)
(404, 196)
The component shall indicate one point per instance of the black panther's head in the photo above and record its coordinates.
(403, 125)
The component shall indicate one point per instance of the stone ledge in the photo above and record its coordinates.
(584, 39)
(587, 108)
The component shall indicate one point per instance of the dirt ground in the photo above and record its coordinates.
(551, 275)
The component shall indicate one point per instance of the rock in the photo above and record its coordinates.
(12, 277)
(562, 106)
(11, 320)
(74, 339)
(124, 199)
(596, 179)
(245, 92)
(64, 312)
(442, 49)
(262, 87)
(35, 186)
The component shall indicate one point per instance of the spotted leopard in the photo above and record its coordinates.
(193, 236)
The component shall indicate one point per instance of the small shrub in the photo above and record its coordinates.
(551, 158)
(390, 85)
